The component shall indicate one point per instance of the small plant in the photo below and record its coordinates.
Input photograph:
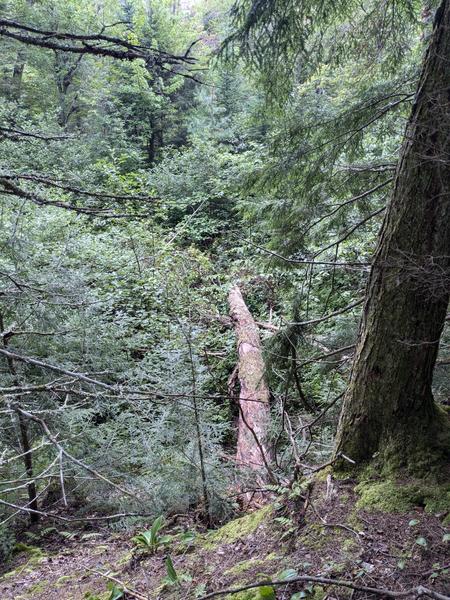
(151, 539)
(116, 592)
(172, 577)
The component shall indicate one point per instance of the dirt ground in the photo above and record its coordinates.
(334, 539)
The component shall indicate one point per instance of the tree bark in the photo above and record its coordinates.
(254, 413)
(389, 409)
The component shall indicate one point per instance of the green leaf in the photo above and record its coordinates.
(165, 539)
(116, 593)
(157, 524)
(145, 538)
(171, 573)
(401, 564)
(287, 574)
(187, 536)
(446, 537)
(200, 590)
(413, 522)
(67, 534)
(421, 541)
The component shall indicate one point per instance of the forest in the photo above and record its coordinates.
(224, 299)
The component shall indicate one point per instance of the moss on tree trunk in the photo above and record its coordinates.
(388, 410)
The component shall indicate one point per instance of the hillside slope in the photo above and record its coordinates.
(379, 535)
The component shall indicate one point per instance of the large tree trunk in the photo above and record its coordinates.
(388, 408)
(252, 449)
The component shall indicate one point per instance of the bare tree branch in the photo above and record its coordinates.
(95, 44)
(416, 592)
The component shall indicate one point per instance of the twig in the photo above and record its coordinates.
(47, 181)
(306, 261)
(323, 413)
(336, 525)
(416, 592)
(350, 231)
(330, 315)
(270, 472)
(73, 519)
(354, 199)
(61, 478)
(124, 587)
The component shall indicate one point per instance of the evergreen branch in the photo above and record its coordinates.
(320, 357)
(360, 196)
(305, 261)
(349, 232)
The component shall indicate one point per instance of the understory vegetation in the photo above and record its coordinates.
(224, 287)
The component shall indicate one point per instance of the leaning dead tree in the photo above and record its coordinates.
(252, 448)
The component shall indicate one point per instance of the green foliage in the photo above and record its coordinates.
(286, 40)
(173, 577)
(7, 541)
(287, 574)
(151, 540)
(264, 592)
(116, 593)
(116, 298)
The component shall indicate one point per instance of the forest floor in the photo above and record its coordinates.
(336, 538)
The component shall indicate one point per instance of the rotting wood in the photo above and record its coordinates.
(254, 412)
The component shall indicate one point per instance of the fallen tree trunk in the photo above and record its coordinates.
(252, 448)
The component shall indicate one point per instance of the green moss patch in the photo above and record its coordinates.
(33, 551)
(33, 555)
(61, 581)
(265, 592)
(391, 496)
(39, 588)
(237, 529)
(247, 565)
(242, 567)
